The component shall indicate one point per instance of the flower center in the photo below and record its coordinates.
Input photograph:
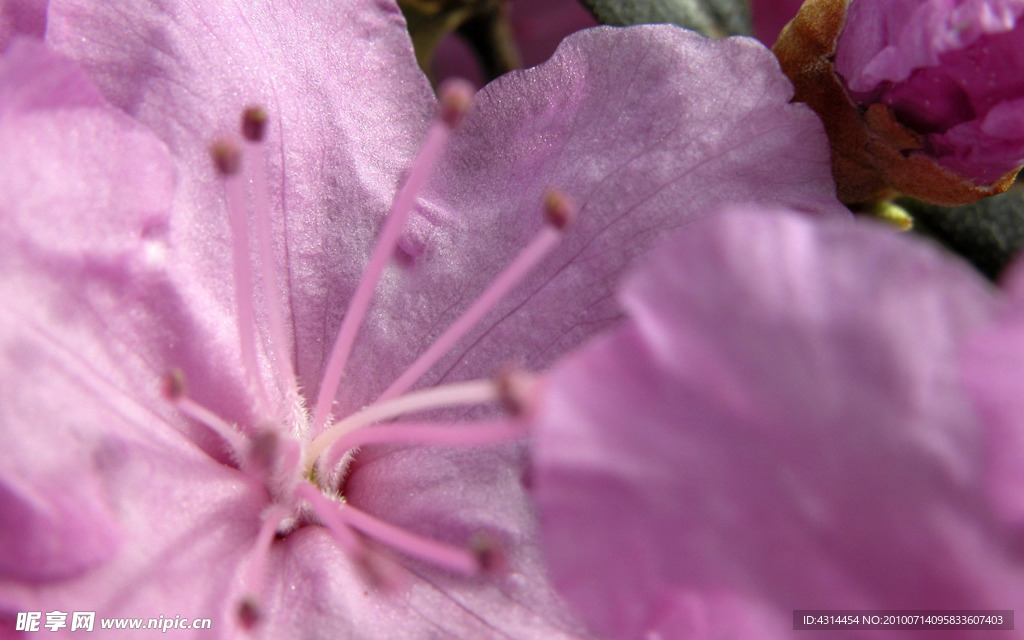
(301, 460)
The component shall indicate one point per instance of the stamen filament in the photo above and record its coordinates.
(235, 195)
(463, 393)
(454, 102)
(255, 575)
(328, 511)
(474, 435)
(438, 553)
(542, 244)
(282, 362)
(201, 414)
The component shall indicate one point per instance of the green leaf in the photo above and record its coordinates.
(987, 233)
(716, 18)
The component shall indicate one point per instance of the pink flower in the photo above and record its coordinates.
(779, 425)
(951, 71)
(130, 265)
(992, 372)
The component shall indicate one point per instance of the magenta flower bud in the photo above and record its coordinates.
(919, 97)
(951, 71)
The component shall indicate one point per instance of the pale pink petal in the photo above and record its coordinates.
(647, 129)
(348, 107)
(993, 362)
(778, 425)
(450, 497)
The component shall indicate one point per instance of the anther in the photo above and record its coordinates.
(174, 385)
(227, 157)
(455, 96)
(490, 554)
(559, 209)
(515, 390)
(254, 123)
(249, 613)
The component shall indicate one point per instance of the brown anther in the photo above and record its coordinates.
(174, 384)
(226, 157)
(559, 209)
(254, 123)
(515, 390)
(455, 95)
(490, 554)
(249, 613)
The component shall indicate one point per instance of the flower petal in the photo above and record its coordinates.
(993, 361)
(445, 495)
(67, 250)
(646, 128)
(778, 423)
(347, 105)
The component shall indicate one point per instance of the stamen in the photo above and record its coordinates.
(452, 103)
(490, 555)
(516, 390)
(254, 126)
(444, 555)
(254, 123)
(327, 511)
(463, 393)
(174, 390)
(375, 567)
(445, 434)
(249, 610)
(558, 212)
(227, 158)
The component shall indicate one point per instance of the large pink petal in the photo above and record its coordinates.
(647, 129)
(445, 497)
(779, 424)
(348, 107)
(993, 362)
(77, 306)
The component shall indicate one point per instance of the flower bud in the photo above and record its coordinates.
(919, 97)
